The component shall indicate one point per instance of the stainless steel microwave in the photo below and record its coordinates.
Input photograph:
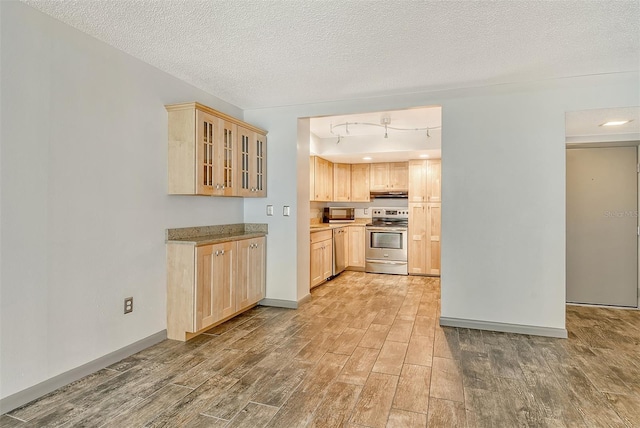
(338, 214)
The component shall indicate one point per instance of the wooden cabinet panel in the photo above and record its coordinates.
(417, 252)
(204, 153)
(207, 149)
(323, 180)
(424, 238)
(210, 283)
(356, 246)
(341, 182)
(251, 272)
(389, 176)
(252, 163)
(321, 262)
(316, 267)
(379, 177)
(398, 175)
(346, 252)
(417, 180)
(424, 180)
(215, 287)
(327, 259)
(434, 216)
(360, 188)
(434, 169)
(227, 161)
(312, 178)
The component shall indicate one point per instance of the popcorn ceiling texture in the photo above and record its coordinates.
(270, 53)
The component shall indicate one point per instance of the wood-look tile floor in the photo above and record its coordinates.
(365, 351)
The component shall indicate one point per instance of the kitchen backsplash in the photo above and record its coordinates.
(316, 208)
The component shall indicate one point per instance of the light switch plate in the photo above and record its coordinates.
(269, 209)
(286, 211)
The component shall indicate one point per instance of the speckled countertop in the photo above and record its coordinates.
(205, 235)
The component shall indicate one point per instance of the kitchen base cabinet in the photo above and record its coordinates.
(424, 238)
(251, 272)
(208, 284)
(356, 248)
(215, 284)
(321, 263)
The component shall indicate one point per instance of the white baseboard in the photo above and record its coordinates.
(504, 327)
(23, 397)
(279, 303)
(304, 299)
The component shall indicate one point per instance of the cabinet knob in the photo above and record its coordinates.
(222, 252)
(217, 252)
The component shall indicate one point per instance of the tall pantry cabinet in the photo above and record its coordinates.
(424, 217)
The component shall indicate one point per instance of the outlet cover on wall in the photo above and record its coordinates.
(128, 305)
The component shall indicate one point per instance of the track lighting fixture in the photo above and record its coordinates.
(385, 122)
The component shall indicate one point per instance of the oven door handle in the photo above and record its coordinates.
(385, 262)
(387, 229)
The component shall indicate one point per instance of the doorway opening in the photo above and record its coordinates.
(602, 207)
(371, 162)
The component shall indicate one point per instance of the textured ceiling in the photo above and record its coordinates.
(270, 53)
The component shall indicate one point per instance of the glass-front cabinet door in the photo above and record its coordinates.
(252, 165)
(206, 146)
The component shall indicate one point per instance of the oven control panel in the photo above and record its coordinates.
(390, 213)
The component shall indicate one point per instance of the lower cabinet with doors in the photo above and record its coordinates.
(424, 238)
(357, 245)
(208, 284)
(321, 266)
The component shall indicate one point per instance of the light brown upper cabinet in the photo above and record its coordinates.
(389, 176)
(206, 153)
(341, 182)
(434, 169)
(322, 182)
(424, 180)
(360, 182)
(252, 163)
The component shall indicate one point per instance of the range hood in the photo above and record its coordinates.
(390, 194)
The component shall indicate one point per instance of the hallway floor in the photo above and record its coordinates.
(365, 351)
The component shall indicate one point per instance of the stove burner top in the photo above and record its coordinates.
(388, 222)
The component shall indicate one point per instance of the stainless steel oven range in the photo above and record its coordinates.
(386, 250)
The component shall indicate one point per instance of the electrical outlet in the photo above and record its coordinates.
(128, 305)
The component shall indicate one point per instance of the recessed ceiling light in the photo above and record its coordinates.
(615, 122)
(424, 156)
(366, 158)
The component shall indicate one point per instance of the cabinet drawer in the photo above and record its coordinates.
(321, 236)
